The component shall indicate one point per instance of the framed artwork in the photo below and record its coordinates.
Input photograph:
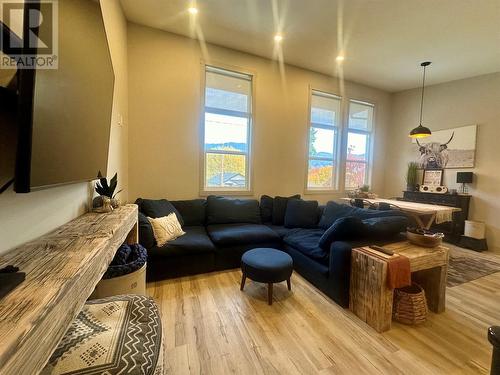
(432, 177)
(450, 148)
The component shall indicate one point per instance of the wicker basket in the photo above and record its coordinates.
(410, 305)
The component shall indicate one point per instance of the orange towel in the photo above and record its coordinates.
(398, 268)
(398, 272)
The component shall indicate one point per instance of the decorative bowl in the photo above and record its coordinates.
(424, 237)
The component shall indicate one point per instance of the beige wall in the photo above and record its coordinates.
(464, 102)
(164, 106)
(27, 216)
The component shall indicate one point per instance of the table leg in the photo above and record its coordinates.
(370, 299)
(243, 278)
(433, 281)
(427, 224)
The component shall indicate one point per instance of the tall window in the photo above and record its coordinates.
(360, 127)
(323, 133)
(227, 129)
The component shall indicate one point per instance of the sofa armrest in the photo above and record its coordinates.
(340, 271)
(146, 236)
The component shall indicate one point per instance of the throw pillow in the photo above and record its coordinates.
(266, 209)
(345, 228)
(222, 210)
(166, 228)
(301, 214)
(385, 227)
(279, 208)
(158, 208)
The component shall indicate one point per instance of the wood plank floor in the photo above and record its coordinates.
(210, 327)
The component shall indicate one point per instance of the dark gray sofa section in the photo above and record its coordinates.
(219, 230)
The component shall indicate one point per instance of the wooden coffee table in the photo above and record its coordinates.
(371, 299)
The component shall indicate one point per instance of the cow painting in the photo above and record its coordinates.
(434, 155)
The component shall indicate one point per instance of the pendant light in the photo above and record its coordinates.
(421, 131)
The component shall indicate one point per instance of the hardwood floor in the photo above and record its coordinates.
(211, 327)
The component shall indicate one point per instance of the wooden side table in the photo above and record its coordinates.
(370, 298)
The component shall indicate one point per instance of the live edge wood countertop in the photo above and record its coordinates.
(62, 269)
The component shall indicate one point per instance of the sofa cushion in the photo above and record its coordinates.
(307, 242)
(345, 228)
(156, 208)
(241, 234)
(195, 241)
(279, 208)
(146, 235)
(266, 209)
(221, 210)
(193, 211)
(334, 211)
(301, 214)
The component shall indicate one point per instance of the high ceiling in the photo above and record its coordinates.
(383, 41)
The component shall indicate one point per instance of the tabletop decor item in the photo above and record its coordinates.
(432, 177)
(105, 190)
(362, 192)
(424, 237)
(411, 176)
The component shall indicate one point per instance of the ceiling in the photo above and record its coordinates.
(383, 41)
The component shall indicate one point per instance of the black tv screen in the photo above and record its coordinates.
(64, 111)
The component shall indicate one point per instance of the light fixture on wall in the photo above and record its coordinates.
(421, 131)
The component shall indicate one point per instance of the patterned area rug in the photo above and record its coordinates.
(467, 265)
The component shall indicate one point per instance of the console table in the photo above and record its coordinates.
(454, 229)
(62, 269)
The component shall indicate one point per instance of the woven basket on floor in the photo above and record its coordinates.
(410, 305)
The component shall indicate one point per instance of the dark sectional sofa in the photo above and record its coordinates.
(219, 230)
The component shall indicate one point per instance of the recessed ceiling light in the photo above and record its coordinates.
(340, 58)
(193, 10)
(278, 38)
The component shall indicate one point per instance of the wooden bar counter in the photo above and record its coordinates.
(62, 269)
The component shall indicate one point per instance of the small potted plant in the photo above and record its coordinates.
(411, 176)
(106, 192)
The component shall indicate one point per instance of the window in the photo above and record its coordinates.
(360, 127)
(227, 129)
(323, 134)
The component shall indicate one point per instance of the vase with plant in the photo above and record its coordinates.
(411, 176)
(106, 192)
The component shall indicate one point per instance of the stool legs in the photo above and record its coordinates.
(270, 293)
(288, 284)
(243, 278)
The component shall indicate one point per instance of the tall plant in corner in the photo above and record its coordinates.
(411, 176)
(105, 189)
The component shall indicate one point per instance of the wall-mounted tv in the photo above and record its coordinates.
(63, 114)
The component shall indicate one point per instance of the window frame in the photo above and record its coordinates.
(338, 131)
(369, 143)
(236, 72)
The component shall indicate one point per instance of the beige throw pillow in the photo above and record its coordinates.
(166, 228)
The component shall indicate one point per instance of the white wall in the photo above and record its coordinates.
(448, 105)
(165, 75)
(26, 216)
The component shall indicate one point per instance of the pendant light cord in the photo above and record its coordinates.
(422, 99)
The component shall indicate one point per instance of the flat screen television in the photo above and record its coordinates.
(62, 114)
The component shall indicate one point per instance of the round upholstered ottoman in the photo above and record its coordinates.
(266, 265)
(114, 335)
